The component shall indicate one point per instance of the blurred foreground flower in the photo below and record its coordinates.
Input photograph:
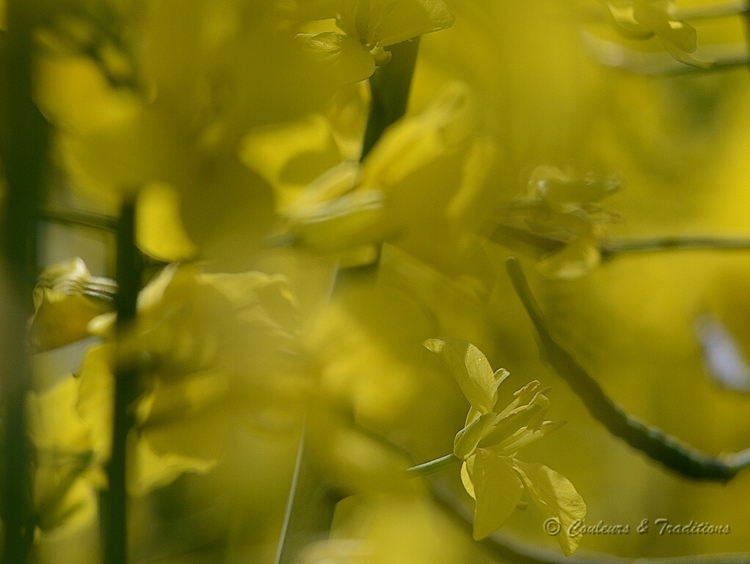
(488, 444)
(642, 19)
(422, 187)
(215, 351)
(565, 208)
(369, 26)
(66, 298)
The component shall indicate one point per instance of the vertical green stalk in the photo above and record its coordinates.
(115, 499)
(25, 142)
(389, 90)
(312, 502)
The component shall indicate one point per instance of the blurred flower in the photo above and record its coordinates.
(642, 19)
(490, 440)
(65, 471)
(423, 187)
(369, 26)
(565, 208)
(216, 351)
(66, 298)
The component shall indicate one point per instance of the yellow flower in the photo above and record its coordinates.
(561, 205)
(66, 298)
(65, 474)
(217, 350)
(423, 187)
(490, 439)
(369, 27)
(642, 19)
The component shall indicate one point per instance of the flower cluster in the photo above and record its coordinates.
(491, 438)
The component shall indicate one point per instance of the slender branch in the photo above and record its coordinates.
(663, 448)
(310, 508)
(427, 468)
(609, 248)
(115, 499)
(539, 244)
(389, 87)
(80, 219)
(24, 145)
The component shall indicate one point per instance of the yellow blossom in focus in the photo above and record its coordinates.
(490, 440)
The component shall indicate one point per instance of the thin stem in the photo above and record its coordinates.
(609, 248)
(24, 145)
(80, 219)
(310, 507)
(389, 87)
(115, 499)
(427, 468)
(538, 244)
(661, 447)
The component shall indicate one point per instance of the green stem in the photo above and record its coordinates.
(389, 88)
(661, 447)
(24, 146)
(115, 499)
(609, 248)
(310, 507)
(427, 468)
(80, 219)
(538, 245)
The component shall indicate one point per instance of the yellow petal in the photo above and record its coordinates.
(471, 370)
(75, 96)
(419, 140)
(393, 21)
(159, 230)
(66, 298)
(555, 497)
(578, 258)
(466, 469)
(468, 438)
(96, 396)
(498, 490)
(150, 471)
(348, 60)
(289, 156)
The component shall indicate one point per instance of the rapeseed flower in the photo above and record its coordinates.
(490, 440)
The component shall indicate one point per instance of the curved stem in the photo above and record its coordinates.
(427, 468)
(661, 447)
